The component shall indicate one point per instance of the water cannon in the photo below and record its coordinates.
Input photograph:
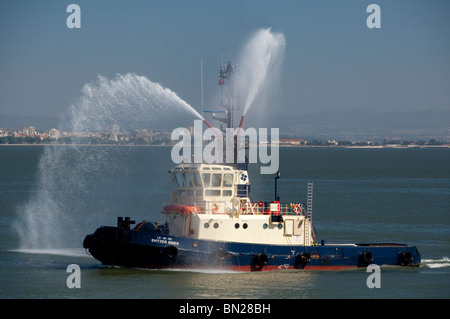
(214, 129)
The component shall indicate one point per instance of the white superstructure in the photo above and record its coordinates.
(212, 202)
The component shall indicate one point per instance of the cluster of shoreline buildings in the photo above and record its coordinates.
(29, 135)
(30, 131)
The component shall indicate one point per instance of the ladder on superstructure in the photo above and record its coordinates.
(309, 204)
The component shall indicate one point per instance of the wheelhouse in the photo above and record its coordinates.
(197, 183)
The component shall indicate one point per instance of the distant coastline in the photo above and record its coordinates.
(116, 137)
(280, 146)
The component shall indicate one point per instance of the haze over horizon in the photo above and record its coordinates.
(332, 61)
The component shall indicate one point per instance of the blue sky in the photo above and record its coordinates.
(332, 59)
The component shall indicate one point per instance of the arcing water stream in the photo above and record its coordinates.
(58, 211)
(259, 67)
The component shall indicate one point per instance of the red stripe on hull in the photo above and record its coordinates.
(249, 268)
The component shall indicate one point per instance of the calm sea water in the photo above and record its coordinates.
(51, 197)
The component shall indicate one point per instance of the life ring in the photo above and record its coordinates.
(214, 208)
(297, 208)
(261, 204)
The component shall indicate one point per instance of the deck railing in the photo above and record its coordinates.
(249, 208)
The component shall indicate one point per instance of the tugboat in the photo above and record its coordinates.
(212, 223)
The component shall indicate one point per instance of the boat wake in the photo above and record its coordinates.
(197, 270)
(436, 263)
(72, 252)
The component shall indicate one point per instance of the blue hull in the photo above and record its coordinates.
(152, 249)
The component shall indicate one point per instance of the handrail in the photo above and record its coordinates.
(248, 208)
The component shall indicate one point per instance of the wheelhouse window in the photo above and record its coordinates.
(227, 180)
(196, 179)
(188, 182)
(212, 192)
(178, 179)
(187, 179)
(206, 179)
(227, 192)
(216, 180)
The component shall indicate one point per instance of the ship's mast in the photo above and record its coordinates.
(230, 98)
(228, 83)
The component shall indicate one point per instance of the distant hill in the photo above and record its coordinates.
(367, 124)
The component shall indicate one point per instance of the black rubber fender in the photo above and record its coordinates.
(405, 258)
(366, 258)
(303, 258)
(88, 241)
(171, 251)
(260, 260)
